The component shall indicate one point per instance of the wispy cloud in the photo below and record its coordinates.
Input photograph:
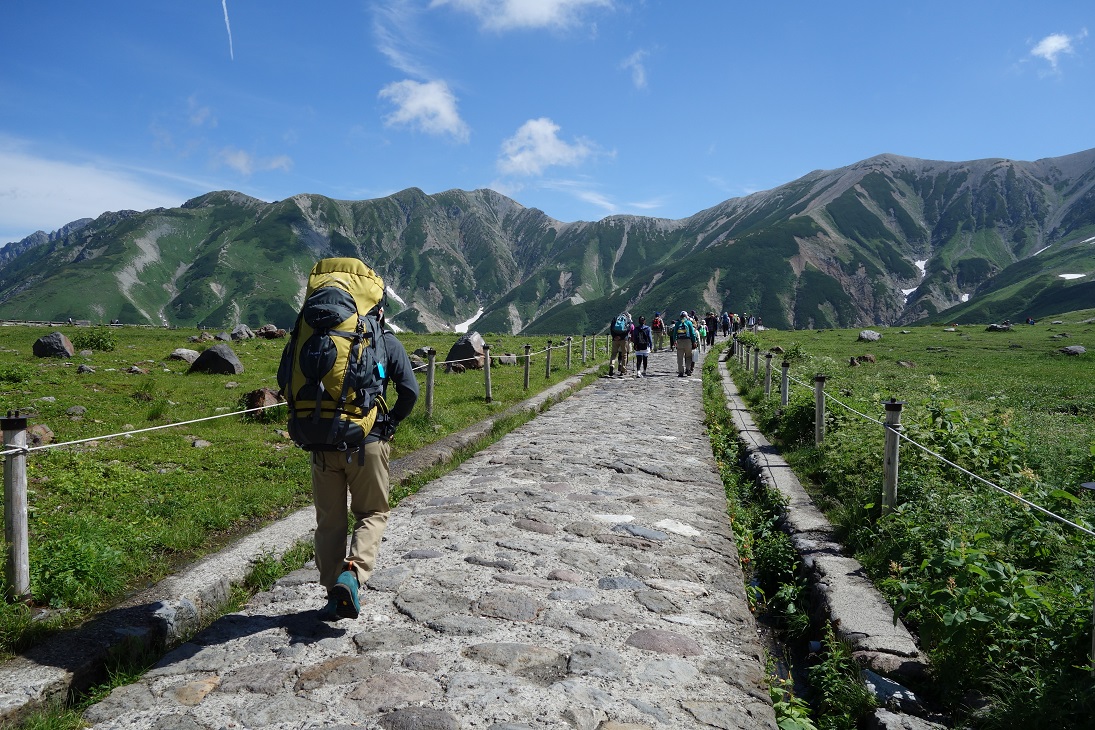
(199, 114)
(634, 63)
(427, 106)
(536, 145)
(231, 52)
(39, 193)
(1055, 45)
(399, 38)
(502, 15)
(247, 164)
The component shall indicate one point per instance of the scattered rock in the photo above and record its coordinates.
(76, 411)
(906, 364)
(242, 332)
(218, 360)
(85, 369)
(39, 435)
(866, 358)
(200, 444)
(508, 358)
(181, 353)
(262, 398)
(54, 344)
(665, 642)
(1073, 350)
(869, 336)
(998, 328)
(467, 351)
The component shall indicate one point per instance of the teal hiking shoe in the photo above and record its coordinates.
(344, 594)
(330, 611)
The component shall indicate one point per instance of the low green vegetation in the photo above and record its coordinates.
(998, 593)
(114, 513)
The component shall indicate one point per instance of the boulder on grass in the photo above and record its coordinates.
(181, 353)
(55, 344)
(1073, 350)
(468, 351)
(217, 360)
(869, 336)
(242, 332)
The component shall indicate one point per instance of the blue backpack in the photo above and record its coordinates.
(621, 325)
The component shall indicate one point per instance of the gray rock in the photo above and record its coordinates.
(639, 531)
(182, 353)
(76, 411)
(596, 661)
(342, 670)
(1073, 350)
(669, 672)
(242, 332)
(657, 601)
(507, 605)
(389, 579)
(217, 360)
(419, 718)
(613, 583)
(537, 663)
(391, 691)
(573, 594)
(466, 351)
(869, 336)
(55, 344)
(883, 719)
(423, 605)
(268, 678)
(665, 642)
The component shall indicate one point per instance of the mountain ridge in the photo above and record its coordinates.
(832, 248)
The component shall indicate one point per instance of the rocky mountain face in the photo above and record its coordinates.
(889, 240)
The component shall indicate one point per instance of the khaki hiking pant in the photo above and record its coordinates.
(618, 354)
(684, 356)
(659, 340)
(334, 474)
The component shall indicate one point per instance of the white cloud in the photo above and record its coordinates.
(1055, 45)
(428, 106)
(502, 15)
(536, 146)
(37, 193)
(231, 52)
(200, 116)
(634, 63)
(246, 164)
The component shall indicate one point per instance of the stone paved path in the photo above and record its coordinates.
(580, 573)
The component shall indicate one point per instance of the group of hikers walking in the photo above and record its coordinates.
(687, 333)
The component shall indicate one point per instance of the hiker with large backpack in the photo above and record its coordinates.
(334, 374)
(684, 336)
(657, 326)
(620, 331)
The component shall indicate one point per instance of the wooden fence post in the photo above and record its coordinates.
(767, 374)
(892, 454)
(570, 347)
(486, 371)
(819, 409)
(594, 348)
(547, 369)
(17, 565)
(583, 350)
(785, 384)
(431, 366)
(756, 361)
(528, 362)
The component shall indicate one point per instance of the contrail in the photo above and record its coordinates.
(224, 4)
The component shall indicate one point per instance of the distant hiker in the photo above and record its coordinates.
(641, 338)
(712, 323)
(658, 328)
(751, 323)
(338, 411)
(683, 336)
(701, 330)
(620, 331)
(724, 322)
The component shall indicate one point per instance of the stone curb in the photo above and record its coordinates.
(844, 594)
(177, 606)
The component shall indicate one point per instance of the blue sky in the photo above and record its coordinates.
(581, 108)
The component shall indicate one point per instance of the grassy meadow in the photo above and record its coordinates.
(111, 515)
(998, 593)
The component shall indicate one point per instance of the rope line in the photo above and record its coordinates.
(950, 463)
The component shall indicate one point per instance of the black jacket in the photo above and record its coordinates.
(399, 372)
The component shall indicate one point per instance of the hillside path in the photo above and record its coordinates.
(580, 573)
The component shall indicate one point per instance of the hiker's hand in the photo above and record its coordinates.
(387, 431)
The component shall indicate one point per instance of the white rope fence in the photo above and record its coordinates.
(902, 436)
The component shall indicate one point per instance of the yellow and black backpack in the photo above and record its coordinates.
(332, 369)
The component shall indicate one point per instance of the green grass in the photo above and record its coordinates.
(111, 515)
(998, 594)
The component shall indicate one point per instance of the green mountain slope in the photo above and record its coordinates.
(888, 240)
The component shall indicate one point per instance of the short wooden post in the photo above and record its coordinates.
(767, 374)
(547, 368)
(528, 362)
(892, 454)
(594, 348)
(570, 347)
(756, 361)
(785, 384)
(17, 565)
(819, 409)
(583, 350)
(486, 371)
(431, 367)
